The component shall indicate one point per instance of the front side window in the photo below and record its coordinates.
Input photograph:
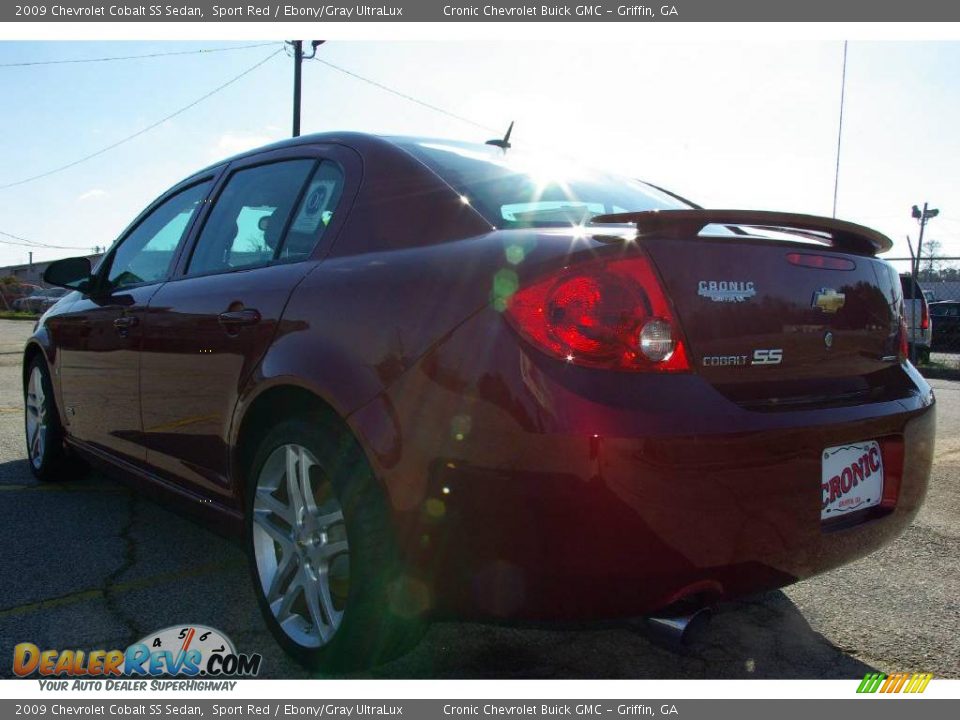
(146, 253)
(245, 226)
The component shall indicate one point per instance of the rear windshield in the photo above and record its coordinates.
(513, 189)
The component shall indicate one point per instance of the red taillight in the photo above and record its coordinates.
(609, 314)
(924, 315)
(904, 342)
(892, 451)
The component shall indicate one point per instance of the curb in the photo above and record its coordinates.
(936, 373)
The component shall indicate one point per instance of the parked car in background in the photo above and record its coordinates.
(431, 378)
(916, 312)
(39, 300)
(49, 298)
(945, 316)
(12, 294)
(25, 303)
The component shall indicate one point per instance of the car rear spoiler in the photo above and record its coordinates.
(840, 234)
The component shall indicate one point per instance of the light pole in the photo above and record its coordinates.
(921, 216)
(298, 58)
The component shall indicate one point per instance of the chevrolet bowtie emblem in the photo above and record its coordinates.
(828, 300)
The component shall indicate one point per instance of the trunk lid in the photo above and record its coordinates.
(775, 323)
(779, 310)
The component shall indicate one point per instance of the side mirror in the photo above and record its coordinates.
(71, 273)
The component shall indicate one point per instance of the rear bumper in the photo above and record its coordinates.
(920, 338)
(523, 489)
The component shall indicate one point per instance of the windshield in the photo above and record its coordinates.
(514, 189)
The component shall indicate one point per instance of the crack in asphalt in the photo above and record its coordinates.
(129, 560)
(97, 593)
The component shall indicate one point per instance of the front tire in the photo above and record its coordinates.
(322, 557)
(46, 453)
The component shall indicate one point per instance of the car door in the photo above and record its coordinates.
(99, 337)
(208, 327)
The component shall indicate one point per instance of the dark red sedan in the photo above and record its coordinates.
(424, 377)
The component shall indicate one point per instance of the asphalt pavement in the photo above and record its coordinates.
(87, 563)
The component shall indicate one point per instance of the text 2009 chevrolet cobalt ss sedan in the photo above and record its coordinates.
(428, 377)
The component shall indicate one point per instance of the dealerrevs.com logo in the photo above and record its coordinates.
(180, 651)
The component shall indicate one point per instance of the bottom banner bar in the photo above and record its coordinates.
(874, 709)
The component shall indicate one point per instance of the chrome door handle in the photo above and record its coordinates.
(238, 318)
(123, 323)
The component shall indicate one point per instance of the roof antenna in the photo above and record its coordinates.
(503, 144)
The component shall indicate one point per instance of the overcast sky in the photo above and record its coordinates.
(727, 124)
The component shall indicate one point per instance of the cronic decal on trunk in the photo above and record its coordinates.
(726, 290)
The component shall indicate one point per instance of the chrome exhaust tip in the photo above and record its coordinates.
(679, 629)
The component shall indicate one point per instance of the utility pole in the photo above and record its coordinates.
(921, 216)
(298, 58)
(297, 63)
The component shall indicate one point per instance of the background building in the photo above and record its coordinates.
(32, 273)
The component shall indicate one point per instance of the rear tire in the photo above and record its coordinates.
(46, 453)
(323, 559)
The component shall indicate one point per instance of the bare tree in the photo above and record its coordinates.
(930, 262)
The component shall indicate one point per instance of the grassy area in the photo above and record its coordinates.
(941, 366)
(16, 315)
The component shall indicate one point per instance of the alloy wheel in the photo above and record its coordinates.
(300, 546)
(36, 403)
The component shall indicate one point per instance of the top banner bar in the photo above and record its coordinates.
(462, 11)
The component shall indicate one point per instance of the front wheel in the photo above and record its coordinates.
(44, 435)
(323, 560)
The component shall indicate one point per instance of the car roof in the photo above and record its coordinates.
(358, 140)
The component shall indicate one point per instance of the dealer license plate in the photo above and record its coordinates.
(851, 478)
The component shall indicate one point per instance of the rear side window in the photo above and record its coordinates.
(145, 254)
(245, 227)
(314, 212)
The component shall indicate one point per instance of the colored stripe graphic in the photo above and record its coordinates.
(919, 682)
(871, 682)
(894, 683)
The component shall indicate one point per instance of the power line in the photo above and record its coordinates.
(405, 96)
(133, 57)
(137, 134)
(23, 242)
